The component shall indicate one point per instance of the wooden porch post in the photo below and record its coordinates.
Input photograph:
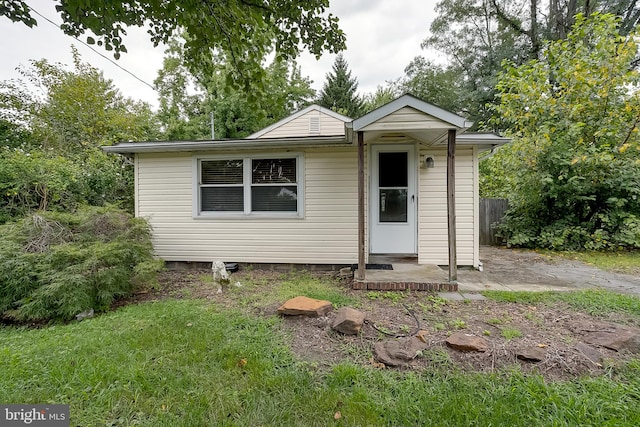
(451, 205)
(361, 247)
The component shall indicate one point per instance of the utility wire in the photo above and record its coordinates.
(94, 50)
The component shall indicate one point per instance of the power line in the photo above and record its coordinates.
(94, 50)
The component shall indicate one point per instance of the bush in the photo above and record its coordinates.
(37, 180)
(54, 265)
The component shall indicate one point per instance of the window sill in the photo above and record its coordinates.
(252, 216)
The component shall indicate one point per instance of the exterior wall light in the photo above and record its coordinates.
(429, 162)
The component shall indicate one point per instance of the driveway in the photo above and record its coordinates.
(524, 270)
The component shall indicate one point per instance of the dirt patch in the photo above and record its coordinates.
(508, 327)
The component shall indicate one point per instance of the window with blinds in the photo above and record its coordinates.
(249, 185)
(221, 186)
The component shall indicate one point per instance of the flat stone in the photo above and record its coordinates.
(303, 306)
(473, 297)
(348, 321)
(616, 337)
(589, 352)
(399, 352)
(451, 296)
(531, 354)
(467, 342)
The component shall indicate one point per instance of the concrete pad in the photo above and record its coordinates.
(405, 272)
(451, 296)
(473, 297)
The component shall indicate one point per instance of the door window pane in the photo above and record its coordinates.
(393, 205)
(392, 168)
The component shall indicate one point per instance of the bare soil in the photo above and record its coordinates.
(507, 327)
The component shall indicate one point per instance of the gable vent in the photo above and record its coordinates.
(314, 124)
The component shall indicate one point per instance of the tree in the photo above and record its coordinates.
(53, 159)
(382, 95)
(436, 84)
(339, 90)
(573, 176)
(188, 99)
(242, 31)
(477, 35)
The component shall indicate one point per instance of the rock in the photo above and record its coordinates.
(616, 337)
(85, 315)
(348, 321)
(589, 352)
(531, 354)
(398, 352)
(346, 273)
(303, 306)
(467, 342)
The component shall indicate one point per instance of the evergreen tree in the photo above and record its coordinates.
(339, 91)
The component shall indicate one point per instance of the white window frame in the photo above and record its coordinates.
(247, 184)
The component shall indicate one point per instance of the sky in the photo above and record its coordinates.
(382, 38)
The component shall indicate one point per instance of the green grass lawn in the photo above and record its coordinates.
(195, 363)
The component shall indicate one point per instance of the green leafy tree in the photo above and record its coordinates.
(51, 157)
(188, 99)
(242, 32)
(382, 95)
(477, 35)
(434, 83)
(574, 166)
(339, 92)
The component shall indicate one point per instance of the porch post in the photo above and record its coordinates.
(361, 247)
(451, 205)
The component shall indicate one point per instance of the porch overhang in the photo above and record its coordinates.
(413, 119)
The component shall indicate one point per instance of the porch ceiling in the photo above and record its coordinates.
(426, 137)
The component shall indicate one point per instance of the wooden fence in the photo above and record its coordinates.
(491, 211)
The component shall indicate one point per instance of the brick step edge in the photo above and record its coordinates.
(403, 286)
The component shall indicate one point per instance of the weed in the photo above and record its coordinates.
(439, 326)
(459, 324)
(374, 295)
(438, 356)
(510, 333)
(395, 297)
(433, 303)
(486, 333)
(495, 321)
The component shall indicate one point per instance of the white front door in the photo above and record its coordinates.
(393, 201)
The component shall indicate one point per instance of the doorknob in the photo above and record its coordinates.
(413, 198)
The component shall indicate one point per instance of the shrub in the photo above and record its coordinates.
(55, 265)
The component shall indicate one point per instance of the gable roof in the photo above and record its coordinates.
(288, 119)
(411, 101)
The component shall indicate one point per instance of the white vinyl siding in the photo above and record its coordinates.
(432, 223)
(406, 118)
(328, 233)
(302, 126)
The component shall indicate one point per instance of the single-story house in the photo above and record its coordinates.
(318, 188)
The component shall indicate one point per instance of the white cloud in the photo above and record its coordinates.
(382, 38)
